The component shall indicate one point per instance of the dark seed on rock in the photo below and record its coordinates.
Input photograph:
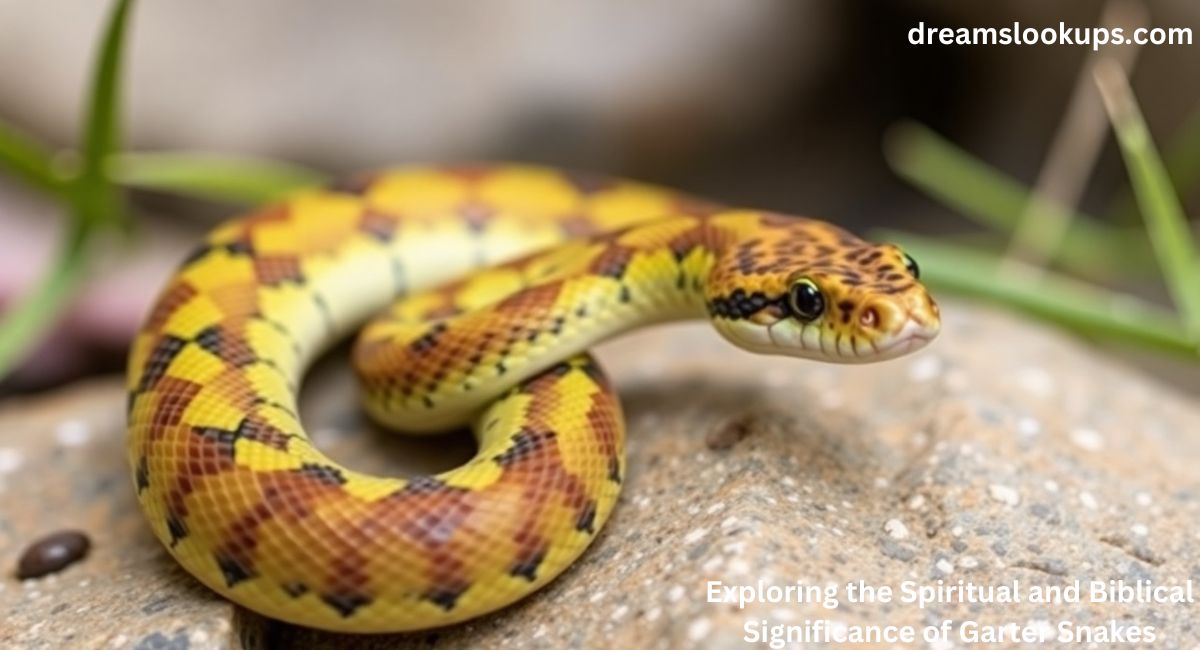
(52, 553)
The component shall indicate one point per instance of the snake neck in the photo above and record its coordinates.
(658, 272)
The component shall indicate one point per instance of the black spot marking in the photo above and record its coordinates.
(871, 258)
(233, 570)
(587, 518)
(614, 469)
(426, 485)
(224, 440)
(177, 529)
(345, 604)
(210, 339)
(160, 359)
(326, 474)
(429, 339)
(142, 475)
(593, 371)
(236, 247)
(524, 443)
(528, 568)
(625, 296)
(739, 305)
(445, 597)
(295, 589)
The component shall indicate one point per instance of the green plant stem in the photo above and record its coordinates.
(93, 198)
(1055, 298)
(1165, 221)
(1181, 156)
(93, 203)
(29, 161)
(997, 201)
(31, 318)
(208, 176)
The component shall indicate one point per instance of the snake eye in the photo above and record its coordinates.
(806, 300)
(911, 266)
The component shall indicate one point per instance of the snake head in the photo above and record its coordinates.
(820, 293)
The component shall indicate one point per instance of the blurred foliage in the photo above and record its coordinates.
(1091, 250)
(90, 184)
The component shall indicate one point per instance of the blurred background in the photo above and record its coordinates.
(776, 104)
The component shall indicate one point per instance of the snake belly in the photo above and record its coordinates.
(238, 494)
(488, 284)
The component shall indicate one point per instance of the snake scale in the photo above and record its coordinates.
(499, 278)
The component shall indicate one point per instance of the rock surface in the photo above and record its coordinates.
(1005, 451)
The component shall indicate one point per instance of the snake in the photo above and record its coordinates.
(476, 290)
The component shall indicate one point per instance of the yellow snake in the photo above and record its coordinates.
(506, 275)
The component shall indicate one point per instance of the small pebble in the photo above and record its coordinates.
(52, 553)
(1088, 500)
(896, 529)
(72, 433)
(1028, 427)
(1004, 494)
(925, 368)
(1036, 380)
(698, 630)
(1088, 439)
(10, 460)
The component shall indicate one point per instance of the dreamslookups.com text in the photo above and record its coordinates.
(990, 601)
(1062, 34)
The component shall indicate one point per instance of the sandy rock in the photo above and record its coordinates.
(1005, 451)
(62, 466)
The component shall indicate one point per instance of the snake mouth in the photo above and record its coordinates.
(813, 343)
(913, 336)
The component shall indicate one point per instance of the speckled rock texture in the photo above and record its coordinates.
(1005, 451)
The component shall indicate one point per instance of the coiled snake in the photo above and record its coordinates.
(507, 275)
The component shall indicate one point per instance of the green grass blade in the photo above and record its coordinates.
(95, 198)
(1056, 298)
(220, 178)
(1181, 155)
(992, 198)
(1165, 221)
(92, 199)
(32, 318)
(29, 161)
(955, 177)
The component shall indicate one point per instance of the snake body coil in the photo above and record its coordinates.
(505, 276)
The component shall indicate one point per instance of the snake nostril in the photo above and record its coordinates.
(869, 318)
